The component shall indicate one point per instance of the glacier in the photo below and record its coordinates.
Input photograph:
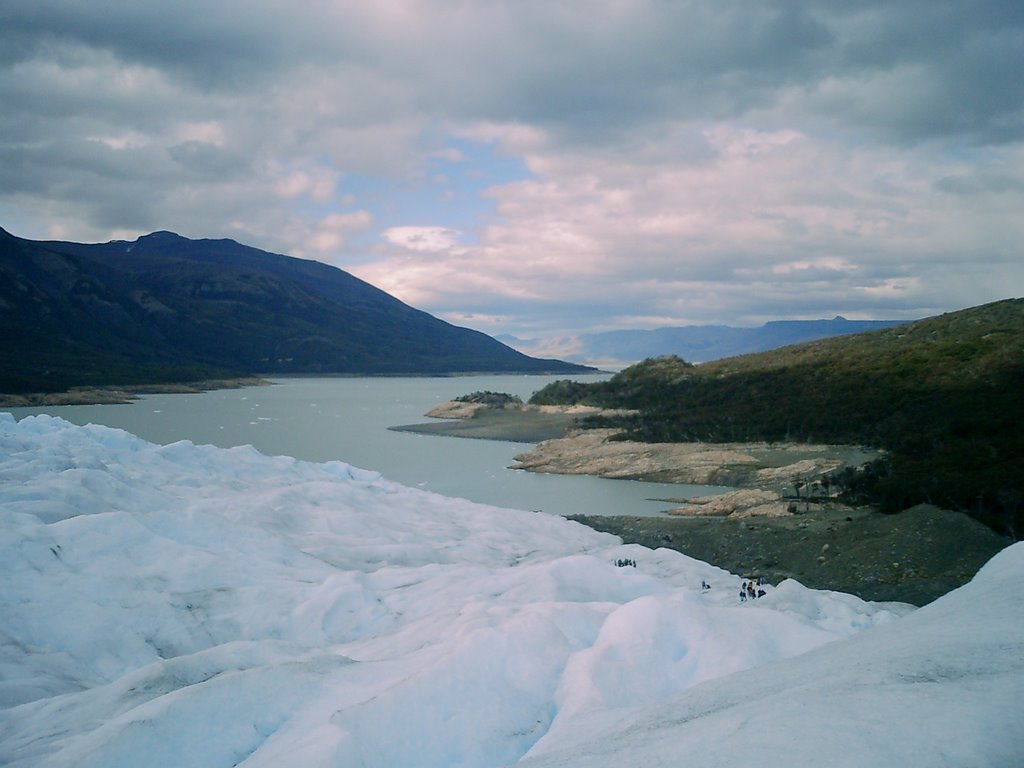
(191, 605)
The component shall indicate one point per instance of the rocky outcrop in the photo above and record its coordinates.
(747, 502)
(771, 479)
(455, 409)
(783, 468)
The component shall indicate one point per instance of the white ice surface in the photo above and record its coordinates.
(188, 605)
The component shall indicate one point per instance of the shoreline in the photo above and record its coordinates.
(754, 529)
(561, 446)
(779, 521)
(791, 469)
(121, 395)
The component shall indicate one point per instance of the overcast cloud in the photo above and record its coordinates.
(542, 168)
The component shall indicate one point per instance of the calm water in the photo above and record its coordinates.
(347, 419)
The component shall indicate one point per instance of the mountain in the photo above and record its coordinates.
(941, 395)
(165, 308)
(695, 343)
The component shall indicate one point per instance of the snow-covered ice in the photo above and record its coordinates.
(189, 605)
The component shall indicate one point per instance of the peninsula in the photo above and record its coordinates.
(782, 520)
(885, 464)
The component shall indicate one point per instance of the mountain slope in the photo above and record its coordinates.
(166, 308)
(942, 395)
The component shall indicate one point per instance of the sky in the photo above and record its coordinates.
(548, 168)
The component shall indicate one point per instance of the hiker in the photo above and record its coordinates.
(743, 592)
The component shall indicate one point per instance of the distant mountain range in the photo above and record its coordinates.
(168, 309)
(694, 343)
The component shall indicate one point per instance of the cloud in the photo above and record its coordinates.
(680, 162)
(327, 236)
(774, 223)
(423, 239)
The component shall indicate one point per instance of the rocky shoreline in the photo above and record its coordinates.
(783, 467)
(780, 521)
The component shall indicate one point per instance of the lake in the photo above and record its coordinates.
(347, 419)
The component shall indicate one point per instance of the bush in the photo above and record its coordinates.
(492, 399)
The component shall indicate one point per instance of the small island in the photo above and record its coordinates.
(500, 416)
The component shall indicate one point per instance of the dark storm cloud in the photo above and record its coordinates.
(941, 67)
(209, 44)
(688, 60)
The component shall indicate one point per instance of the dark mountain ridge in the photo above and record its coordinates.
(165, 308)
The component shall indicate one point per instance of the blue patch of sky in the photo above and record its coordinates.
(22, 223)
(449, 192)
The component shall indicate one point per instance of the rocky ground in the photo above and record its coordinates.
(914, 557)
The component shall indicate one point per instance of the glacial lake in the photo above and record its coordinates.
(347, 419)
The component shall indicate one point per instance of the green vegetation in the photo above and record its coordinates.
(943, 396)
(492, 399)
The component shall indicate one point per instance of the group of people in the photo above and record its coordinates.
(752, 590)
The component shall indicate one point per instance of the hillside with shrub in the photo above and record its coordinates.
(942, 395)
